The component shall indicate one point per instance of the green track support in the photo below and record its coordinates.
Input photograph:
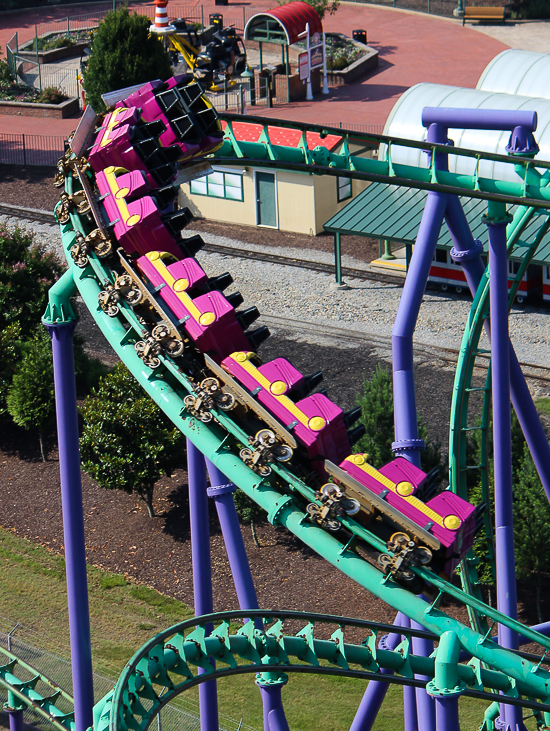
(168, 664)
(21, 681)
(531, 189)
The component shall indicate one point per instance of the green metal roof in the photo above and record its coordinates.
(392, 212)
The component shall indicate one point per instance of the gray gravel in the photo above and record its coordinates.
(367, 307)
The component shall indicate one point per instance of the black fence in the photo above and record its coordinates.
(36, 150)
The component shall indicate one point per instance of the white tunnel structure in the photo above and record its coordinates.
(510, 81)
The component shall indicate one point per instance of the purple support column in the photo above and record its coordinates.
(73, 521)
(446, 714)
(407, 442)
(502, 441)
(425, 706)
(202, 571)
(15, 713)
(376, 689)
(222, 492)
(410, 715)
(467, 252)
(270, 684)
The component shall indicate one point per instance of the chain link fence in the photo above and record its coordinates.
(53, 660)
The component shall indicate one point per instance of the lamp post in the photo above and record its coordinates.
(249, 74)
(458, 12)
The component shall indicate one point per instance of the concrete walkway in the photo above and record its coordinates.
(527, 35)
(413, 47)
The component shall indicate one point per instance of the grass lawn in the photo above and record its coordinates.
(124, 615)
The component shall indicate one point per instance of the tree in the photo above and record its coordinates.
(26, 274)
(321, 7)
(123, 53)
(376, 404)
(531, 521)
(127, 443)
(30, 398)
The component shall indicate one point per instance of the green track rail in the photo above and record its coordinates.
(531, 189)
(21, 681)
(168, 664)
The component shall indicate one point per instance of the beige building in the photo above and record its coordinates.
(280, 199)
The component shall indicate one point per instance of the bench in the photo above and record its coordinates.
(473, 13)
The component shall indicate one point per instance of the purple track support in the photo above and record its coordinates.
(202, 571)
(425, 704)
(274, 715)
(499, 119)
(407, 442)
(376, 689)
(16, 718)
(467, 252)
(222, 493)
(446, 714)
(73, 521)
(502, 441)
(410, 714)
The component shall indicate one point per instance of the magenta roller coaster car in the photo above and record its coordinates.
(315, 421)
(209, 319)
(189, 118)
(447, 516)
(138, 224)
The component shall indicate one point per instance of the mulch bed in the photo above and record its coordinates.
(156, 551)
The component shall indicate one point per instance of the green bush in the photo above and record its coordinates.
(123, 53)
(27, 272)
(127, 442)
(51, 95)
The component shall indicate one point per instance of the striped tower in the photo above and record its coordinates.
(161, 24)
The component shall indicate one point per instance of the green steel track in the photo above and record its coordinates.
(168, 661)
(21, 681)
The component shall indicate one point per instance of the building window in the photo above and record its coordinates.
(343, 189)
(219, 184)
(440, 256)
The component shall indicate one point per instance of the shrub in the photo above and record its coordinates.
(27, 272)
(123, 53)
(6, 76)
(127, 442)
(51, 95)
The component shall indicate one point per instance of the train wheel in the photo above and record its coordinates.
(211, 385)
(205, 416)
(332, 524)
(520, 300)
(266, 438)
(226, 402)
(282, 453)
(264, 470)
(246, 455)
(330, 490)
(458, 290)
(444, 287)
(400, 539)
(160, 332)
(351, 506)
(133, 296)
(189, 402)
(313, 510)
(423, 555)
(175, 348)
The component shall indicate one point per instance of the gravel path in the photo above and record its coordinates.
(367, 307)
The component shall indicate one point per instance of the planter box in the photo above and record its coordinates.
(56, 54)
(69, 108)
(358, 68)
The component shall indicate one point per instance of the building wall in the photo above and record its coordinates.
(304, 201)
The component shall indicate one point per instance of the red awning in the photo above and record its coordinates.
(293, 18)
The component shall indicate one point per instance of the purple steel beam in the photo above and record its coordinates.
(502, 440)
(222, 493)
(73, 521)
(202, 572)
(467, 251)
(15, 716)
(376, 689)
(425, 704)
(270, 684)
(497, 119)
(410, 714)
(407, 442)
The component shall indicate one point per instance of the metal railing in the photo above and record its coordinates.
(38, 150)
(434, 7)
(40, 76)
(53, 660)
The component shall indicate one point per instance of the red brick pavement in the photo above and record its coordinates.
(413, 47)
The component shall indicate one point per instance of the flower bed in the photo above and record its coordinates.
(358, 62)
(55, 46)
(18, 99)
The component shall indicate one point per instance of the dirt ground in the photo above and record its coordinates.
(122, 538)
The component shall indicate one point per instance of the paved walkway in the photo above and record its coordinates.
(413, 47)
